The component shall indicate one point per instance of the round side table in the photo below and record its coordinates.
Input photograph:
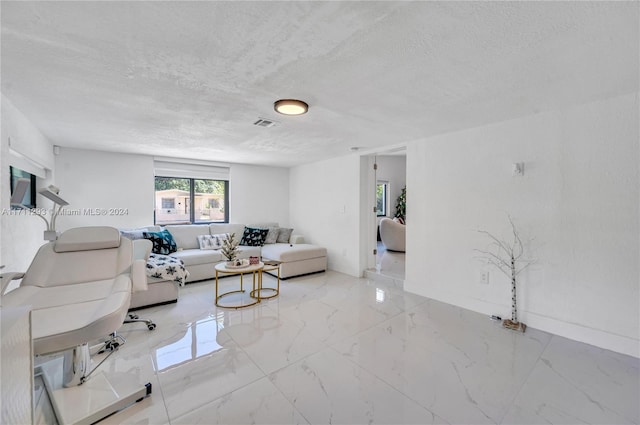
(254, 269)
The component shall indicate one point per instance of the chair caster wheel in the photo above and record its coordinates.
(111, 346)
(151, 326)
(134, 316)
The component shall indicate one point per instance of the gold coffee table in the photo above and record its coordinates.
(269, 266)
(254, 269)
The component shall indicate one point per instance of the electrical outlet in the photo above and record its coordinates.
(484, 277)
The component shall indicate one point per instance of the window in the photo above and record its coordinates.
(209, 196)
(185, 200)
(168, 203)
(382, 190)
(29, 199)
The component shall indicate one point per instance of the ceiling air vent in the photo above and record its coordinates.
(262, 122)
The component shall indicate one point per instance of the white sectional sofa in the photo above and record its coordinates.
(297, 258)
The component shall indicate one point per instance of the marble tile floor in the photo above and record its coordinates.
(334, 349)
(390, 265)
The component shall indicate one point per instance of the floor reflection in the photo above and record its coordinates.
(200, 339)
(390, 263)
(332, 346)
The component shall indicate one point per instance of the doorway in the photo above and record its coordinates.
(389, 178)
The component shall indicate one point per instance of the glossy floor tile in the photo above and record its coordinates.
(390, 265)
(342, 350)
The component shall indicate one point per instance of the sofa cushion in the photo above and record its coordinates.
(135, 233)
(192, 257)
(264, 225)
(218, 228)
(284, 234)
(163, 242)
(248, 251)
(212, 241)
(288, 253)
(186, 235)
(253, 236)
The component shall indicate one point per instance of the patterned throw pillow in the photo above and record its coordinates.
(163, 242)
(272, 235)
(212, 241)
(284, 235)
(253, 236)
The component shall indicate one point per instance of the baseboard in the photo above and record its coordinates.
(596, 337)
(153, 305)
(298, 275)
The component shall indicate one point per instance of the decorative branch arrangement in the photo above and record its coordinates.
(230, 247)
(508, 259)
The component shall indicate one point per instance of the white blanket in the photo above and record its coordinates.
(167, 268)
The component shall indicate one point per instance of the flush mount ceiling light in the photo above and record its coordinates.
(290, 107)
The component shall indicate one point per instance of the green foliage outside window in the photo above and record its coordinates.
(166, 183)
(381, 199)
(201, 186)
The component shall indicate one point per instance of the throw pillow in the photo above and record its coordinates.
(253, 236)
(272, 235)
(212, 241)
(398, 220)
(163, 242)
(284, 235)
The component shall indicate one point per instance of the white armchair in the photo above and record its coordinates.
(393, 235)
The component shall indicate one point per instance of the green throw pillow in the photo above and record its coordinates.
(162, 241)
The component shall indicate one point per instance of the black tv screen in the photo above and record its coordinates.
(29, 199)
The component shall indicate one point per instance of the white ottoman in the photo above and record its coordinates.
(296, 259)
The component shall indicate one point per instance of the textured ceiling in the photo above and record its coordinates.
(188, 79)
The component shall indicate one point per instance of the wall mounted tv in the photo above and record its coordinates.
(29, 199)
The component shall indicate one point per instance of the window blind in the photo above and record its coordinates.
(20, 161)
(196, 170)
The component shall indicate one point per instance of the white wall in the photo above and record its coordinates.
(21, 235)
(104, 181)
(258, 194)
(26, 139)
(105, 188)
(578, 198)
(392, 169)
(325, 208)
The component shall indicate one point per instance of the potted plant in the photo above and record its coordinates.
(230, 249)
(401, 205)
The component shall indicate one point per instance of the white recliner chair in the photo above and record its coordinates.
(393, 235)
(79, 288)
